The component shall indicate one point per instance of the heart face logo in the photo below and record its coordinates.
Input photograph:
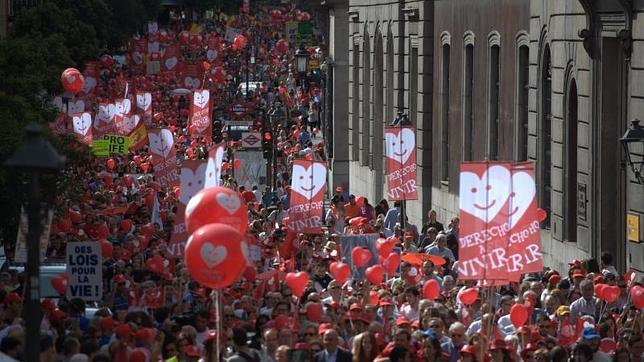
(123, 107)
(170, 63)
(201, 98)
(90, 84)
(162, 143)
(137, 57)
(191, 82)
(519, 202)
(82, 123)
(211, 54)
(106, 113)
(308, 181)
(230, 203)
(129, 123)
(400, 146)
(143, 101)
(485, 196)
(212, 255)
(75, 107)
(213, 169)
(191, 182)
(194, 201)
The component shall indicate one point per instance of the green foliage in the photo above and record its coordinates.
(43, 41)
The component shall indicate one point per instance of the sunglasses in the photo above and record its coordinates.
(434, 326)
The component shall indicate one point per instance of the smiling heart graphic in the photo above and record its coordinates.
(143, 101)
(123, 107)
(170, 63)
(308, 181)
(212, 255)
(129, 123)
(400, 146)
(191, 182)
(162, 143)
(519, 201)
(230, 203)
(137, 58)
(201, 98)
(82, 122)
(105, 114)
(485, 196)
(213, 170)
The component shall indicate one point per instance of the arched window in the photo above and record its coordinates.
(445, 83)
(545, 134)
(390, 78)
(570, 227)
(494, 78)
(468, 88)
(366, 100)
(355, 104)
(521, 94)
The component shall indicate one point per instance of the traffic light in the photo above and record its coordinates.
(267, 144)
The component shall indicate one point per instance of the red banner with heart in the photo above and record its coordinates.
(200, 120)
(82, 127)
(144, 107)
(191, 75)
(400, 151)
(195, 174)
(308, 185)
(499, 232)
(164, 156)
(171, 59)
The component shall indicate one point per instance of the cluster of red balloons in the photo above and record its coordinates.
(607, 293)
(217, 219)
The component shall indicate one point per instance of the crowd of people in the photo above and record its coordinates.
(154, 311)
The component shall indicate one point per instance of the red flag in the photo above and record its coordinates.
(200, 115)
(400, 148)
(307, 196)
(164, 156)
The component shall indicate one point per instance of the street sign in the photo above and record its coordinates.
(251, 140)
(238, 123)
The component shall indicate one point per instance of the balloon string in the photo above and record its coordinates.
(219, 331)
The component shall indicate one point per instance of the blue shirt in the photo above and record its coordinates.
(391, 218)
(445, 253)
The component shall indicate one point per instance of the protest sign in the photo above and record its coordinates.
(308, 185)
(85, 271)
(368, 241)
(400, 148)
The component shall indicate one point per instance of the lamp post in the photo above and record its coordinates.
(35, 156)
(302, 62)
(633, 143)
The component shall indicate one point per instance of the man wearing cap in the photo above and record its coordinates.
(591, 338)
(585, 305)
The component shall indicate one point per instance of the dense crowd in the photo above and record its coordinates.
(152, 310)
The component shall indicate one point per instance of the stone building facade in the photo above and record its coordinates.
(552, 81)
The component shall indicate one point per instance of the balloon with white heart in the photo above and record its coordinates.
(201, 98)
(82, 123)
(483, 197)
(216, 205)
(308, 181)
(214, 256)
(161, 143)
(400, 146)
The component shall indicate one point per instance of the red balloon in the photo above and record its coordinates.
(374, 274)
(282, 46)
(360, 256)
(60, 283)
(103, 231)
(637, 296)
(391, 263)
(518, 315)
(111, 163)
(237, 164)
(72, 80)
(612, 293)
(106, 248)
(541, 214)
(216, 205)
(126, 225)
(137, 160)
(239, 42)
(214, 255)
(373, 297)
(155, 264)
(599, 290)
(384, 247)
(340, 271)
(431, 289)
(75, 216)
(314, 311)
(469, 296)
(297, 282)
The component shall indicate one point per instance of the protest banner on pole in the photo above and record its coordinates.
(308, 185)
(85, 271)
(400, 150)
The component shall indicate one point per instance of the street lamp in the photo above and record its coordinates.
(302, 60)
(35, 156)
(633, 143)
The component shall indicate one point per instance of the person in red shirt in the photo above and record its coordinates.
(351, 209)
